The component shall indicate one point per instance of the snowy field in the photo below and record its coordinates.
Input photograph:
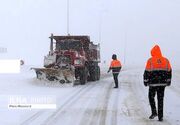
(96, 103)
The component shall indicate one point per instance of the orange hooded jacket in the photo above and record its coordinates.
(157, 61)
(115, 63)
(158, 70)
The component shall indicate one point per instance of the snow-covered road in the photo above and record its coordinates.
(96, 103)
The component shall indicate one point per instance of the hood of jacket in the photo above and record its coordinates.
(156, 51)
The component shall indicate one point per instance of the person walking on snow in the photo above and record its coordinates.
(157, 76)
(115, 66)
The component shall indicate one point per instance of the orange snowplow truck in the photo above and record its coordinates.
(71, 59)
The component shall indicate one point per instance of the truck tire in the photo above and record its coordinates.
(93, 73)
(98, 73)
(83, 76)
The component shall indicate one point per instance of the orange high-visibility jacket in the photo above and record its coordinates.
(115, 63)
(158, 70)
(157, 61)
(115, 66)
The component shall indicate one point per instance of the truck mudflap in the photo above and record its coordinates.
(62, 75)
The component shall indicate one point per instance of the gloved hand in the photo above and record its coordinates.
(168, 81)
(146, 82)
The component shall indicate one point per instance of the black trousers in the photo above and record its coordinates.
(115, 76)
(160, 98)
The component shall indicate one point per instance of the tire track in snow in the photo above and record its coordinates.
(131, 111)
(97, 116)
(32, 118)
(115, 108)
(103, 113)
(53, 117)
(39, 113)
(70, 96)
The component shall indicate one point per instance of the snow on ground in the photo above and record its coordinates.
(96, 103)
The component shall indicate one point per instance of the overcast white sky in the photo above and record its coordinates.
(25, 26)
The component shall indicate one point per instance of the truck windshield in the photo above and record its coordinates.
(69, 44)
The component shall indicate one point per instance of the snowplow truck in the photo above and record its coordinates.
(71, 59)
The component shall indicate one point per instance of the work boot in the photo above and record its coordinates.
(115, 87)
(153, 116)
(160, 119)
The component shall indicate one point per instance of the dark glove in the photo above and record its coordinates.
(168, 81)
(146, 82)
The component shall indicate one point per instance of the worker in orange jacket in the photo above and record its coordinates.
(115, 67)
(157, 76)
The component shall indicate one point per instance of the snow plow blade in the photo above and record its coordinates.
(51, 74)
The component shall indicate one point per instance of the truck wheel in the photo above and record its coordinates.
(98, 73)
(93, 73)
(83, 76)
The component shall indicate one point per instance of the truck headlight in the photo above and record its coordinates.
(78, 62)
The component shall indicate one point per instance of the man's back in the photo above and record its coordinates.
(158, 69)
